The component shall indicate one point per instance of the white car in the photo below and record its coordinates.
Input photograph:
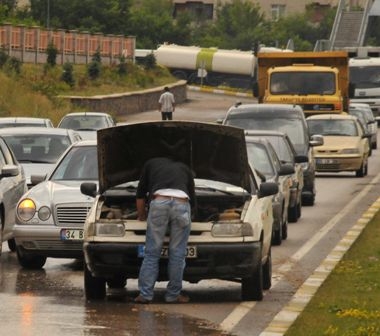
(232, 222)
(50, 216)
(38, 148)
(86, 123)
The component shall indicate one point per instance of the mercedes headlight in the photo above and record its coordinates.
(223, 229)
(26, 209)
(44, 213)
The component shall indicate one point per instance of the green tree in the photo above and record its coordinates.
(151, 21)
(106, 16)
(238, 25)
(52, 52)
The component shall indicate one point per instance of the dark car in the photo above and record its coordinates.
(264, 159)
(285, 118)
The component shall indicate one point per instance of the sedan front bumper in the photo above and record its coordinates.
(213, 261)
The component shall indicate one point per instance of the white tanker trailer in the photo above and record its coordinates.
(209, 66)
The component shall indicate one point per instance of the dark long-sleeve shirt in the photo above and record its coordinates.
(164, 173)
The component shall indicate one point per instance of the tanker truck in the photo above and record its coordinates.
(317, 81)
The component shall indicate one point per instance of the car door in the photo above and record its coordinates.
(11, 189)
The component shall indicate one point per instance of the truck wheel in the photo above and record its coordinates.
(94, 288)
(267, 271)
(30, 262)
(252, 287)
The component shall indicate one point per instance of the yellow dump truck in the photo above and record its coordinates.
(317, 81)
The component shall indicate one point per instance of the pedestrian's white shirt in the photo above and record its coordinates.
(166, 100)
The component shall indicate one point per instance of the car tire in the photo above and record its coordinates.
(119, 282)
(12, 244)
(94, 288)
(292, 214)
(252, 287)
(363, 170)
(299, 209)
(277, 236)
(308, 200)
(285, 230)
(30, 262)
(1, 235)
(267, 271)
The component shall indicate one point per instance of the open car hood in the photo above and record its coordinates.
(212, 151)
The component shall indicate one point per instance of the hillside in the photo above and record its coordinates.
(34, 89)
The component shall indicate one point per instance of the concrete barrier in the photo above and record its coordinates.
(122, 104)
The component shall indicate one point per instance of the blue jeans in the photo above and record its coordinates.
(165, 215)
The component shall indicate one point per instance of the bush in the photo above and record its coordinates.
(122, 67)
(67, 74)
(13, 65)
(95, 66)
(3, 58)
(52, 52)
(149, 61)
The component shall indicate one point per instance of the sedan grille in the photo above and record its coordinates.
(72, 215)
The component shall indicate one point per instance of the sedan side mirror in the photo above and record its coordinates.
(316, 140)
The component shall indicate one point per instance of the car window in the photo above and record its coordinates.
(38, 148)
(259, 158)
(282, 148)
(293, 127)
(80, 163)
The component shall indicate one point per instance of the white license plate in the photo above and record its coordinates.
(191, 251)
(327, 161)
(71, 234)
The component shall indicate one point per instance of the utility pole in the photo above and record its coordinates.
(48, 15)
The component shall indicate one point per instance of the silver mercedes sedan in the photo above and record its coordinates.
(51, 215)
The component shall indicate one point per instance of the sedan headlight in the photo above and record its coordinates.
(231, 230)
(350, 151)
(109, 230)
(44, 213)
(26, 209)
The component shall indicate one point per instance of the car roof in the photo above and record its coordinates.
(263, 133)
(82, 143)
(23, 119)
(35, 130)
(332, 116)
(269, 109)
(86, 114)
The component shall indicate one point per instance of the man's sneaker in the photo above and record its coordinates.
(141, 299)
(181, 298)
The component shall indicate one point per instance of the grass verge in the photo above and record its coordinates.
(348, 302)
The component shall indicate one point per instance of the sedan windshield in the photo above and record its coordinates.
(291, 126)
(333, 127)
(83, 123)
(80, 163)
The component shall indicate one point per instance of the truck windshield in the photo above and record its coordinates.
(365, 77)
(302, 83)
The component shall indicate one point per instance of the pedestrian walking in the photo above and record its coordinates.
(166, 104)
(169, 186)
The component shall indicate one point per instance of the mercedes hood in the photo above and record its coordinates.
(212, 151)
